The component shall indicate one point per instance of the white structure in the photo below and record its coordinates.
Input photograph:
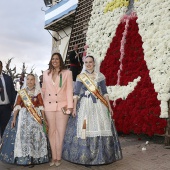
(59, 18)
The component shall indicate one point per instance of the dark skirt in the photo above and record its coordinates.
(92, 150)
(7, 149)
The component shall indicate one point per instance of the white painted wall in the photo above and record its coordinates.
(63, 46)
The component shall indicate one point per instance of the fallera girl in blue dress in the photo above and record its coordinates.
(91, 137)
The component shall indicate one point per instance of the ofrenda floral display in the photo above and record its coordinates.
(134, 51)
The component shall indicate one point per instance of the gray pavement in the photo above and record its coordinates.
(155, 157)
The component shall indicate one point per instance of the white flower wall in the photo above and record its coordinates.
(154, 28)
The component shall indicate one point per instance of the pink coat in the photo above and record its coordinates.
(56, 97)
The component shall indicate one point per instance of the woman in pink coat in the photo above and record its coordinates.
(57, 93)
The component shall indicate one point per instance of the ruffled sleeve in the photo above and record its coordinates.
(18, 103)
(77, 88)
(40, 102)
(103, 88)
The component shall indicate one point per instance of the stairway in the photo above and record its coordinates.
(79, 29)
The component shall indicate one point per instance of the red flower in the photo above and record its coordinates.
(139, 113)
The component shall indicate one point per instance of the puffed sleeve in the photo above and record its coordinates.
(40, 102)
(18, 103)
(103, 87)
(77, 88)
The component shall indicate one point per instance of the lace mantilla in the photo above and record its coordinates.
(30, 138)
(96, 115)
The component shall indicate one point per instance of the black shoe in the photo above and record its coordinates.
(87, 166)
(31, 166)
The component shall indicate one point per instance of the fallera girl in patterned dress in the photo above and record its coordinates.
(24, 141)
(91, 137)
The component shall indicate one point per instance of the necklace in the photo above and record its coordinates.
(89, 72)
(91, 75)
(30, 89)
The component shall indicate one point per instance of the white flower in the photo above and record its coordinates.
(153, 22)
(154, 28)
(104, 25)
(117, 91)
(143, 149)
(147, 142)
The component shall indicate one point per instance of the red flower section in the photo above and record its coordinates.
(139, 113)
(111, 64)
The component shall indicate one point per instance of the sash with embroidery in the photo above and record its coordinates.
(28, 104)
(92, 88)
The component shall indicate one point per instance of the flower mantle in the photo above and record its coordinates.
(135, 58)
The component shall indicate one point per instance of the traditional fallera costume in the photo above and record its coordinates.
(26, 143)
(91, 137)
